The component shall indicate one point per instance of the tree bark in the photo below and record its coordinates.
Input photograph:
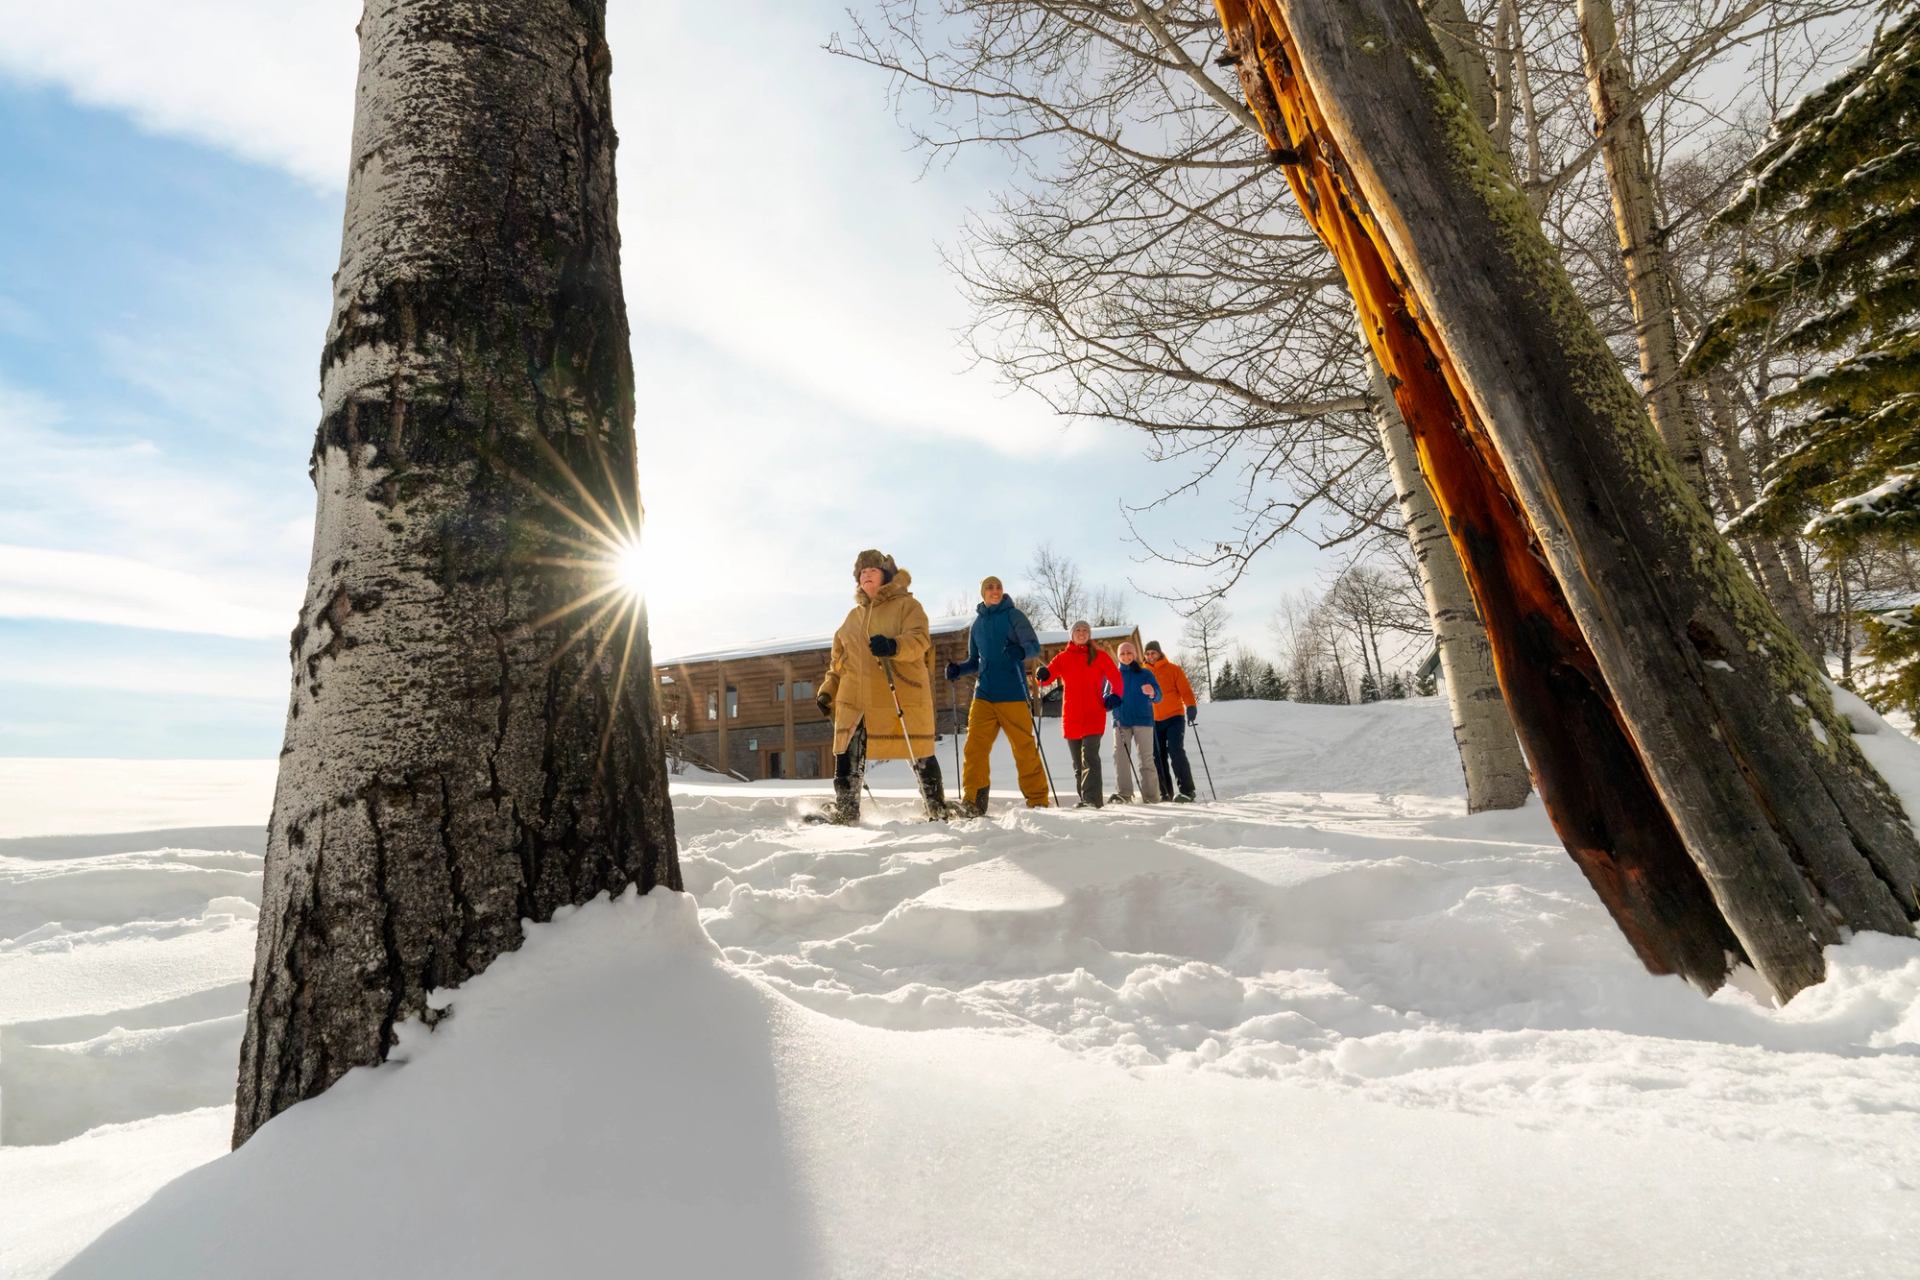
(1687, 749)
(1490, 756)
(471, 739)
(1622, 131)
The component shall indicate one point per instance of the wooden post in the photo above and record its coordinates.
(1687, 750)
(788, 769)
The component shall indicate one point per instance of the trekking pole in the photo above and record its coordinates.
(1040, 745)
(953, 708)
(1133, 766)
(1203, 762)
(886, 665)
(913, 757)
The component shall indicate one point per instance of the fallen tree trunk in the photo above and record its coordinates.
(1686, 748)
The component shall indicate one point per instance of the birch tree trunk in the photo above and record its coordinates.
(1769, 556)
(1622, 131)
(1687, 749)
(1490, 756)
(471, 738)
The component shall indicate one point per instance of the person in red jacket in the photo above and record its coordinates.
(1086, 674)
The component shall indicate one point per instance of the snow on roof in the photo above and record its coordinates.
(943, 626)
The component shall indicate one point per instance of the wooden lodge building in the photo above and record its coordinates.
(750, 712)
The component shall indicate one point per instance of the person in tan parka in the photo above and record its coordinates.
(885, 629)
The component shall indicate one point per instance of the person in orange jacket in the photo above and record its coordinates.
(1176, 709)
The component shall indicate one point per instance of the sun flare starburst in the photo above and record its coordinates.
(607, 557)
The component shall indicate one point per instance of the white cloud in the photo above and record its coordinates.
(84, 586)
(67, 487)
(809, 249)
(116, 530)
(270, 81)
(806, 251)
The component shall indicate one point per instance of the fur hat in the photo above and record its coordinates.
(872, 559)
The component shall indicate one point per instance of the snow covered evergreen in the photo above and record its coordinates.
(1842, 171)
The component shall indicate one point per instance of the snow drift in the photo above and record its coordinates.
(1340, 1029)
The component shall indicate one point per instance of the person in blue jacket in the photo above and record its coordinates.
(999, 647)
(1132, 709)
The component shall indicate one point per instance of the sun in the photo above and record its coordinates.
(630, 567)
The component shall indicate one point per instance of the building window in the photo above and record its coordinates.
(803, 691)
(733, 703)
(780, 693)
(807, 764)
(713, 706)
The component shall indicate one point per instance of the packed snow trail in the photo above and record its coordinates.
(1336, 1029)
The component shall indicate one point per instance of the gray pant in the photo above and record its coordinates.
(1133, 759)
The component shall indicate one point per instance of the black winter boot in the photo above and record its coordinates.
(932, 790)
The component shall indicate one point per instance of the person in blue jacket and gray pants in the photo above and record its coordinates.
(1132, 709)
(999, 647)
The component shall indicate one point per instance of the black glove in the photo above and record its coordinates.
(1193, 714)
(1043, 675)
(882, 646)
(1111, 702)
(953, 672)
(824, 701)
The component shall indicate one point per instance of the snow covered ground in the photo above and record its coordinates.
(1330, 1026)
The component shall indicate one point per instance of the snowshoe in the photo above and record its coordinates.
(1185, 797)
(832, 816)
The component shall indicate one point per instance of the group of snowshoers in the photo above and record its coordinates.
(879, 690)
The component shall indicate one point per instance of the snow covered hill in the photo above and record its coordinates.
(1330, 1026)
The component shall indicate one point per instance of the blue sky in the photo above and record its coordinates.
(174, 180)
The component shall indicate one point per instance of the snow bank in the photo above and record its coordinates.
(123, 970)
(1331, 1025)
(615, 1099)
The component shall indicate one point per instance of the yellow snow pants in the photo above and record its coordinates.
(985, 720)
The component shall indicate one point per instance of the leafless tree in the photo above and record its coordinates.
(1107, 607)
(1204, 635)
(1054, 587)
(1366, 602)
(1146, 267)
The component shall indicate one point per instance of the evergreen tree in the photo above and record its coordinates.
(1226, 683)
(1427, 683)
(1273, 685)
(1396, 686)
(1843, 170)
(1369, 688)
